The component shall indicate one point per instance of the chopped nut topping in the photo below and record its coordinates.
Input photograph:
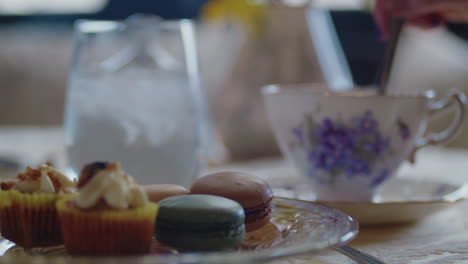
(5, 186)
(113, 166)
(30, 173)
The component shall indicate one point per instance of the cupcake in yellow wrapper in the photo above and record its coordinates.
(111, 214)
(28, 215)
(107, 232)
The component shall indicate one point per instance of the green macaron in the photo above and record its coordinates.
(200, 222)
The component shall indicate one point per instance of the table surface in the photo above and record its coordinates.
(440, 238)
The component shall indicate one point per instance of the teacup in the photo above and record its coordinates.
(349, 143)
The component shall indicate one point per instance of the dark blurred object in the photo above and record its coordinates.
(460, 30)
(120, 9)
(361, 44)
(174, 9)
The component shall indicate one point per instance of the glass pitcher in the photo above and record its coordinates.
(134, 97)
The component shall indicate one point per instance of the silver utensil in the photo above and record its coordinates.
(358, 256)
(5, 245)
(395, 30)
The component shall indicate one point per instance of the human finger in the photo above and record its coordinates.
(412, 9)
(382, 17)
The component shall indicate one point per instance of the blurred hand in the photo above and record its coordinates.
(421, 13)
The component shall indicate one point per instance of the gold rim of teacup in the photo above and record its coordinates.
(358, 92)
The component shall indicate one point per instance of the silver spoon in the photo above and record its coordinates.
(395, 30)
(358, 256)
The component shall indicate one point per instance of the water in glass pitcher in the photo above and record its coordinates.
(145, 120)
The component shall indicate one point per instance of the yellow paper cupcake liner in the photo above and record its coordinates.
(107, 232)
(30, 220)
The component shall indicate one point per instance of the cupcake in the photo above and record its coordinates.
(28, 216)
(111, 215)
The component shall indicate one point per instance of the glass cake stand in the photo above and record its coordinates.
(297, 227)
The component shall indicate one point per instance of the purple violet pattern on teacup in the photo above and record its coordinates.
(339, 148)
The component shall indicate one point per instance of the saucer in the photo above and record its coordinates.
(400, 200)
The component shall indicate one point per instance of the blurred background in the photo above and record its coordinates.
(261, 44)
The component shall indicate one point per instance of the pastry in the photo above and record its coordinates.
(111, 215)
(157, 192)
(253, 193)
(200, 223)
(27, 206)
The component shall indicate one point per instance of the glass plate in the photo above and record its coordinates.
(297, 227)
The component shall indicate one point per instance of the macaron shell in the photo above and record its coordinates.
(246, 189)
(257, 217)
(200, 222)
(203, 240)
(158, 192)
(200, 209)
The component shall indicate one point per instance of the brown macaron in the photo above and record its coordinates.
(253, 193)
(157, 192)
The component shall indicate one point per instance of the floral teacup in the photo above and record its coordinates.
(347, 144)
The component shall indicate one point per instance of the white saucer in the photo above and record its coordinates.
(399, 201)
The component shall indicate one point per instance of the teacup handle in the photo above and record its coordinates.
(436, 107)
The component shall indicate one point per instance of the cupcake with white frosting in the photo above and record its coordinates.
(28, 214)
(111, 215)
